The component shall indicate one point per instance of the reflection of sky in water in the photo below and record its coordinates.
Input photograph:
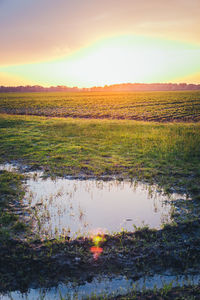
(76, 207)
(104, 286)
(79, 206)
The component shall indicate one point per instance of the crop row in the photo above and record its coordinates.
(146, 106)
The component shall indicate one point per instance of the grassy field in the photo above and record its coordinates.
(146, 106)
(97, 143)
(166, 153)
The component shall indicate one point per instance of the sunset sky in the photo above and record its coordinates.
(92, 42)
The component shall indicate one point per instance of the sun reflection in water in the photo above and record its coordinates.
(98, 237)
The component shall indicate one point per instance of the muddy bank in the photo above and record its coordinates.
(36, 263)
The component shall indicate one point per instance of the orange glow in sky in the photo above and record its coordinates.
(115, 60)
(88, 43)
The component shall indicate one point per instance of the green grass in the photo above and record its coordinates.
(146, 106)
(166, 153)
(11, 191)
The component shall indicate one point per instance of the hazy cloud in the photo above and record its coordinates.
(35, 28)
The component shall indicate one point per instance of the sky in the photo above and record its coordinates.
(89, 42)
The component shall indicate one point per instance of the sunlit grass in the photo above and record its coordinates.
(167, 153)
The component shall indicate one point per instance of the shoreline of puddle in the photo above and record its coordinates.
(64, 206)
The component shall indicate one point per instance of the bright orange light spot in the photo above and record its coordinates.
(97, 238)
(96, 249)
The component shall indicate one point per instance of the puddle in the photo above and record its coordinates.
(77, 207)
(119, 285)
(9, 167)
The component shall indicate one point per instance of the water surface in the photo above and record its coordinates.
(114, 286)
(77, 207)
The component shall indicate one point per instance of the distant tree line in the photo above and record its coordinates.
(125, 87)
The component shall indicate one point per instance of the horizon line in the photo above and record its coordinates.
(102, 86)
